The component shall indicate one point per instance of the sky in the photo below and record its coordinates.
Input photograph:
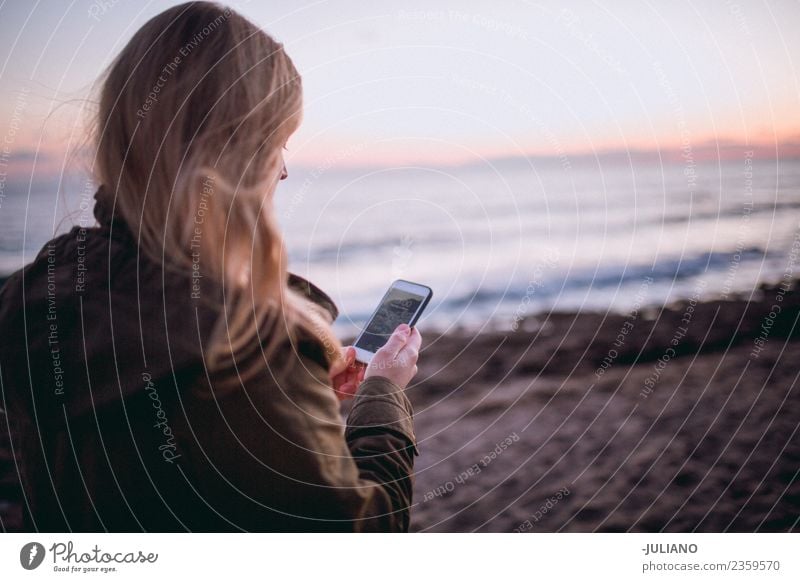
(451, 82)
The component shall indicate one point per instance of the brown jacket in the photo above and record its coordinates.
(116, 425)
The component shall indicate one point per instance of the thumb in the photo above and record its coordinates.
(396, 341)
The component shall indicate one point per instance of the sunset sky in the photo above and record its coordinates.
(458, 82)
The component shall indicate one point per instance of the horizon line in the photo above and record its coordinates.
(20, 164)
(706, 151)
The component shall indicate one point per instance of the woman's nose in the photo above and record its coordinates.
(284, 173)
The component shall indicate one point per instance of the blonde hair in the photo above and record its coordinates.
(192, 116)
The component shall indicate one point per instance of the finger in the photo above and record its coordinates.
(338, 363)
(396, 341)
(345, 355)
(411, 348)
(336, 368)
(347, 390)
(340, 376)
(349, 383)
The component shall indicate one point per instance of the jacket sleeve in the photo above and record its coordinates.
(285, 461)
(380, 436)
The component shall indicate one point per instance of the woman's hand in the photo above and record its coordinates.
(397, 360)
(346, 374)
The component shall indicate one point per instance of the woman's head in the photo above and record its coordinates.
(197, 87)
(193, 115)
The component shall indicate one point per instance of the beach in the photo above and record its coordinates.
(686, 421)
(678, 419)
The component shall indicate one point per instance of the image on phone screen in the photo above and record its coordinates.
(398, 307)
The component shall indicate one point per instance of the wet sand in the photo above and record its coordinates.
(549, 429)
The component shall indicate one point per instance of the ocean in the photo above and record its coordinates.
(506, 239)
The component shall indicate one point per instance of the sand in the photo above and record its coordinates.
(549, 429)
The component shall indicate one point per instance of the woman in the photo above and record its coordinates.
(163, 371)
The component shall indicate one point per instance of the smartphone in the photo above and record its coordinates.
(402, 303)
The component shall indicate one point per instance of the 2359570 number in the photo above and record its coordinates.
(751, 565)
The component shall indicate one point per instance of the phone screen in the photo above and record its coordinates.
(398, 307)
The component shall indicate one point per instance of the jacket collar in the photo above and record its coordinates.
(314, 293)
